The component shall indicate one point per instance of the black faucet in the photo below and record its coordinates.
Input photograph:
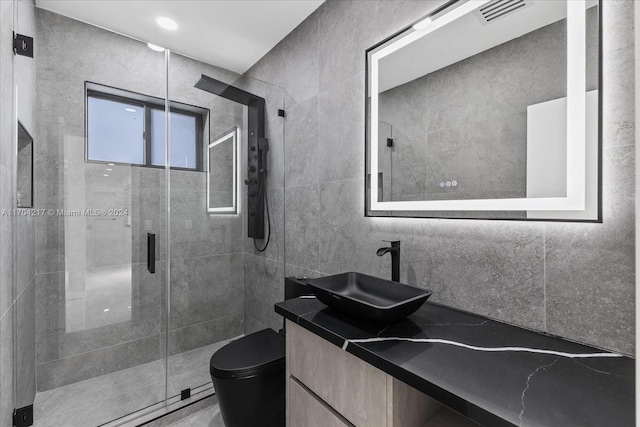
(394, 250)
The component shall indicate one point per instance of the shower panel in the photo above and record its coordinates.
(258, 147)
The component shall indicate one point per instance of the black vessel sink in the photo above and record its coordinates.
(367, 297)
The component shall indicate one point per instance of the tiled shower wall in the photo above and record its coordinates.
(207, 253)
(573, 280)
(17, 281)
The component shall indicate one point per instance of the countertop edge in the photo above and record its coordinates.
(454, 402)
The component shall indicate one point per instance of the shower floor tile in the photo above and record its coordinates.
(209, 417)
(102, 399)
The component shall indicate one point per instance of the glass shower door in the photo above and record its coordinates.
(101, 238)
(221, 287)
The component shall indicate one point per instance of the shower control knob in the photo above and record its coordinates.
(247, 182)
(252, 148)
(252, 168)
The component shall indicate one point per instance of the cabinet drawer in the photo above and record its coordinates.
(306, 410)
(352, 387)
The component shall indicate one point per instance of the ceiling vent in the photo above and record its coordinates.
(497, 9)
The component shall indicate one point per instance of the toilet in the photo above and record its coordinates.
(249, 374)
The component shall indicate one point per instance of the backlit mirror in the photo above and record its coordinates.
(488, 109)
(222, 173)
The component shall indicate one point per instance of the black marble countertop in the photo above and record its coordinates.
(494, 373)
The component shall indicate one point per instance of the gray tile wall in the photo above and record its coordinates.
(264, 271)
(207, 252)
(574, 280)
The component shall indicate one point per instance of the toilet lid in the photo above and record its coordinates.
(252, 354)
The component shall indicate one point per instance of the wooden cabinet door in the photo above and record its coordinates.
(306, 410)
(355, 389)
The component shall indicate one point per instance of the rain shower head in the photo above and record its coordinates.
(225, 90)
(213, 86)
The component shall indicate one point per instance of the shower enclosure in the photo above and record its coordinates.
(136, 280)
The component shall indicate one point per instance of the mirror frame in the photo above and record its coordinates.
(234, 135)
(576, 124)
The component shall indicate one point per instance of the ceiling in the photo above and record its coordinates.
(233, 34)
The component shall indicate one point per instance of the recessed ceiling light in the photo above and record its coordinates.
(155, 47)
(109, 169)
(130, 110)
(106, 309)
(106, 174)
(423, 24)
(111, 164)
(167, 23)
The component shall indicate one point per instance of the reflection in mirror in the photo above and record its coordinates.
(25, 168)
(222, 173)
(488, 109)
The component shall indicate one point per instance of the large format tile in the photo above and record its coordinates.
(101, 399)
(6, 368)
(264, 286)
(489, 268)
(303, 227)
(195, 233)
(6, 242)
(59, 337)
(292, 63)
(209, 417)
(590, 274)
(347, 29)
(618, 120)
(296, 271)
(50, 229)
(202, 334)
(252, 325)
(26, 252)
(617, 23)
(25, 343)
(302, 60)
(6, 83)
(206, 288)
(275, 133)
(61, 372)
(301, 144)
(341, 130)
(191, 368)
(345, 240)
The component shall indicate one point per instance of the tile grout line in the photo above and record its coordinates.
(134, 340)
(613, 147)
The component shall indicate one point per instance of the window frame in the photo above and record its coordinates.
(148, 103)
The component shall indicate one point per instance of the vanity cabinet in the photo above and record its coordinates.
(327, 386)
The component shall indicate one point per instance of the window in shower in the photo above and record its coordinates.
(129, 128)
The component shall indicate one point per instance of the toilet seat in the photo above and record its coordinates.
(254, 354)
